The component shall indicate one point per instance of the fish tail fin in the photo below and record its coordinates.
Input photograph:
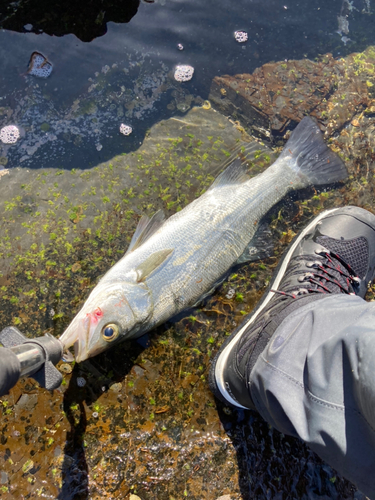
(307, 154)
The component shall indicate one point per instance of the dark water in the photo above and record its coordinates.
(72, 118)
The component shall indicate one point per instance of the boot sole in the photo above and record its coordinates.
(216, 375)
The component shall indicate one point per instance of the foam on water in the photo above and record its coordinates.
(39, 65)
(9, 134)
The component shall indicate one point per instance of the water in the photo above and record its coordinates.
(72, 118)
(72, 190)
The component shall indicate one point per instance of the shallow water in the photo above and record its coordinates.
(72, 190)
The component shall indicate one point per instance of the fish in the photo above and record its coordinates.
(171, 264)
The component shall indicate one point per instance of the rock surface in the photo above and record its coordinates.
(278, 95)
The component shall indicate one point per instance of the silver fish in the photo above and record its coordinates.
(171, 264)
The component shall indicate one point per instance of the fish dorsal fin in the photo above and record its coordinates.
(146, 228)
(152, 263)
(235, 173)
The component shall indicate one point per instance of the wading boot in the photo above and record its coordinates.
(334, 254)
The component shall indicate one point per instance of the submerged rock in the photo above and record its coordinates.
(278, 95)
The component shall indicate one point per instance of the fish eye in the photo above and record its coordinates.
(110, 332)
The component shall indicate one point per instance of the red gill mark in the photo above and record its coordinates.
(96, 315)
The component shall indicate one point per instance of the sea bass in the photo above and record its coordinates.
(171, 264)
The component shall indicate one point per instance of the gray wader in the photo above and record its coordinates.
(316, 380)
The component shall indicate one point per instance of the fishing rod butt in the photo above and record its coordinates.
(10, 370)
(24, 357)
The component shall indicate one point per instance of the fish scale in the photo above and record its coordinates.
(223, 241)
(171, 265)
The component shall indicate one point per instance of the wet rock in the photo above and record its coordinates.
(274, 94)
(27, 402)
(278, 95)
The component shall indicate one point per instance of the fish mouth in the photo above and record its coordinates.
(78, 335)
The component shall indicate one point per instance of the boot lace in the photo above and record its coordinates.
(329, 273)
(324, 272)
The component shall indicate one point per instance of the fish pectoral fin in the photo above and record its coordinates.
(152, 263)
(146, 228)
(260, 246)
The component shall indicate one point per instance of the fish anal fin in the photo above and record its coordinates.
(260, 246)
(235, 173)
(152, 262)
(146, 228)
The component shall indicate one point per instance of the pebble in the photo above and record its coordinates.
(116, 387)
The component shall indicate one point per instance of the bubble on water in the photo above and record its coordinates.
(9, 134)
(28, 27)
(180, 46)
(183, 73)
(230, 293)
(99, 146)
(39, 65)
(95, 414)
(81, 382)
(241, 36)
(125, 129)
